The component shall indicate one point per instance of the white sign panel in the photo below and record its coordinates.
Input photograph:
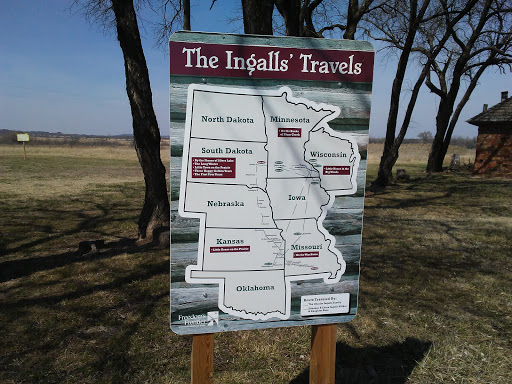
(268, 162)
(260, 170)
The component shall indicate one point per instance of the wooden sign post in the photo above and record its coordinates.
(323, 354)
(322, 360)
(202, 359)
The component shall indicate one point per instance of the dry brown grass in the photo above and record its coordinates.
(418, 153)
(55, 171)
(93, 152)
(434, 299)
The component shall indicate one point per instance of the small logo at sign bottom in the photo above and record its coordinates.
(213, 318)
(208, 319)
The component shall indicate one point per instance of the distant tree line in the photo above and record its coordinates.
(458, 141)
(10, 138)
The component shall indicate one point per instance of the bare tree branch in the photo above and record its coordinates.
(331, 27)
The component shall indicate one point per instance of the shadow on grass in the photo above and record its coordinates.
(103, 214)
(140, 274)
(101, 321)
(53, 228)
(24, 267)
(389, 364)
(445, 190)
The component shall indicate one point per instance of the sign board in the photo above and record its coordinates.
(268, 166)
(22, 137)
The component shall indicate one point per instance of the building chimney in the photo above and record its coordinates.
(485, 107)
(504, 95)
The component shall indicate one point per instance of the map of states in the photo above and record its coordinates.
(260, 170)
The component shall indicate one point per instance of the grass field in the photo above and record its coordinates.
(418, 154)
(435, 297)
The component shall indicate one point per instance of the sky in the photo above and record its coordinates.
(61, 73)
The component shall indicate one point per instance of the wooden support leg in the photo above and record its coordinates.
(323, 354)
(202, 359)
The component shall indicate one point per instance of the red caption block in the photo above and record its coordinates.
(230, 249)
(289, 132)
(336, 170)
(213, 167)
(305, 254)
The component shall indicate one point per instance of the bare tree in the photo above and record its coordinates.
(257, 16)
(186, 14)
(170, 15)
(482, 39)
(122, 14)
(290, 10)
(301, 16)
(298, 16)
(355, 13)
(425, 137)
(398, 24)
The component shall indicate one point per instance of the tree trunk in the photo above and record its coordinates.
(391, 146)
(258, 16)
(186, 15)
(436, 156)
(352, 20)
(388, 159)
(446, 125)
(350, 32)
(388, 162)
(290, 10)
(155, 211)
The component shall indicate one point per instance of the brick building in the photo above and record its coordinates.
(494, 142)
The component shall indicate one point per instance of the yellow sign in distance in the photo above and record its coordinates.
(22, 137)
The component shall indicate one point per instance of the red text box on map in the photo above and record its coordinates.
(305, 254)
(336, 170)
(230, 249)
(289, 132)
(213, 167)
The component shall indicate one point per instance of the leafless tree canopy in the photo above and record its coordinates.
(479, 40)
(322, 18)
(160, 17)
(454, 41)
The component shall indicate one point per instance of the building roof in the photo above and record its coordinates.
(500, 113)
